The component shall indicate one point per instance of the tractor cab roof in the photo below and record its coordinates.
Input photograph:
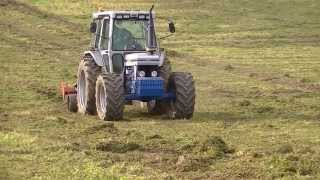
(126, 14)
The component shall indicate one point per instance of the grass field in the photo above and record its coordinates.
(257, 73)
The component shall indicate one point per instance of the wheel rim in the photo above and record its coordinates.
(82, 90)
(102, 99)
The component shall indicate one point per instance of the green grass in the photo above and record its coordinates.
(256, 67)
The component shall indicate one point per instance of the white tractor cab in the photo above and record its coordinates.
(125, 63)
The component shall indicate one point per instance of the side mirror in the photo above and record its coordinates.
(172, 28)
(93, 27)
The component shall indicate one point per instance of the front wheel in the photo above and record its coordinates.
(182, 85)
(110, 98)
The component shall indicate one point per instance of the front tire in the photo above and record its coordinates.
(87, 75)
(110, 98)
(182, 85)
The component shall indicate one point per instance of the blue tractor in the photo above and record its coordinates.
(125, 64)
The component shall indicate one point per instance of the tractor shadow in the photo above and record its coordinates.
(141, 115)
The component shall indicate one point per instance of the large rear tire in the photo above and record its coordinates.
(182, 85)
(157, 107)
(110, 98)
(87, 75)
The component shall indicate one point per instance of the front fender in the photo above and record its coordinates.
(98, 59)
(162, 58)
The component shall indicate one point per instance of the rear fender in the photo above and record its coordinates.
(97, 57)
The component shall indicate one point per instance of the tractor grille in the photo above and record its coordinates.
(148, 87)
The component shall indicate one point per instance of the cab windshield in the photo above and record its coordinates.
(129, 35)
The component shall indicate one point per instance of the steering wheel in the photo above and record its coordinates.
(134, 45)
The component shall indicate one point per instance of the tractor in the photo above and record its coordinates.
(126, 64)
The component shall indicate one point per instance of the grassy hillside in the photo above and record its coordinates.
(257, 71)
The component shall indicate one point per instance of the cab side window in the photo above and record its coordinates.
(105, 35)
(97, 34)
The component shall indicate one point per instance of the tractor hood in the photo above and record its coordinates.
(136, 59)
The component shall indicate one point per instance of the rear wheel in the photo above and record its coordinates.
(87, 75)
(158, 107)
(110, 98)
(182, 85)
(72, 103)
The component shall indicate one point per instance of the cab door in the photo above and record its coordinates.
(104, 42)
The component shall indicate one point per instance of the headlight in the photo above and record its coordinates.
(142, 74)
(154, 74)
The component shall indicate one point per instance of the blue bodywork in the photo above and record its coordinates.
(146, 89)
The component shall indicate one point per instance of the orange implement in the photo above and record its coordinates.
(65, 89)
